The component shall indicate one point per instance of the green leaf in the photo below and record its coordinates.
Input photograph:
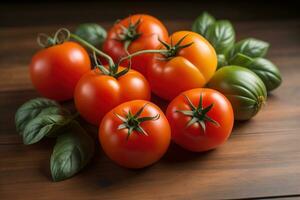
(267, 72)
(221, 35)
(241, 60)
(202, 23)
(263, 68)
(92, 33)
(250, 47)
(221, 61)
(42, 126)
(34, 108)
(72, 152)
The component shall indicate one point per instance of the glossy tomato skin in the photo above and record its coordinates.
(243, 88)
(55, 71)
(96, 94)
(150, 29)
(193, 138)
(138, 150)
(192, 67)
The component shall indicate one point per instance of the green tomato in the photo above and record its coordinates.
(92, 33)
(243, 88)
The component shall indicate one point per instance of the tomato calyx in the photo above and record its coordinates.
(198, 114)
(172, 50)
(132, 122)
(112, 70)
(129, 33)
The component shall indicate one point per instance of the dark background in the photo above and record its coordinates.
(35, 13)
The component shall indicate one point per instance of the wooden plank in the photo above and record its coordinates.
(19, 44)
(246, 166)
(25, 37)
(15, 78)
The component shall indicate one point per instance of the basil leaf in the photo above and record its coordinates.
(72, 152)
(43, 126)
(221, 61)
(267, 71)
(250, 47)
(241, 60)
(262, 67)
(34, 108)
(202, 23)
(92, 33)
(221, 35)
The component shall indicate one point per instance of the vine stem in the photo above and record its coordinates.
(107, 57)
(161, 51)
(126, 46)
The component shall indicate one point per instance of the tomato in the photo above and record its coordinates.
(97, 93)
(135, 134)
(244, 89)
(141, 32)
(201, 119)
(190, 63)
(56, 70)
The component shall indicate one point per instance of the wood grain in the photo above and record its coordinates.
(261, 160)
(248, 165)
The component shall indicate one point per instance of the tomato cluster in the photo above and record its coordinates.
(139, 57)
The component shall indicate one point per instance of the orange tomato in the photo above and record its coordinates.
(188, 68)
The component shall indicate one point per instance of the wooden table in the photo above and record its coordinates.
(260, 160)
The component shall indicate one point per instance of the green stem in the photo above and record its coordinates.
(126, 46)
(161, 51)
(107, 57)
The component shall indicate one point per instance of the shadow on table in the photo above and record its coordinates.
(103, 173)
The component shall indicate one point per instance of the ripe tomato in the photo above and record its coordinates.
(56, 70)
(135, 134)
(96, 93)
(140, 32)
(201, 119)
(190, 63)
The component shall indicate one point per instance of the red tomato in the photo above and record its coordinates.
(56, 70)
(135, 134)
(96, 93)
(200, 126)
(189, 65)
(142, 31)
